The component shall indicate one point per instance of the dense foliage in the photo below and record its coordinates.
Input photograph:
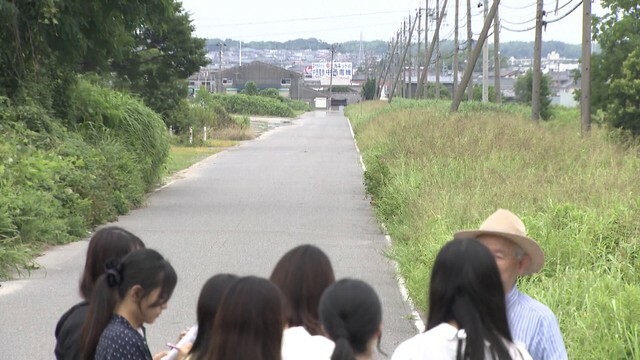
(253, 105)
(618, 33)
(524, 90)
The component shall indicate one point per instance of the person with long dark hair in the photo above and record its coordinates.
(132, 292)
(303, 274)
(467, 317)
(351, 315)
(249, 322)
(208, 305)
(106, 243)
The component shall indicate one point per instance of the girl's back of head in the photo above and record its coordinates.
(208, 304)
(107, 243)
(249, 322)
(466, 288)
(351, 315)
(302, 274)
(145, 268)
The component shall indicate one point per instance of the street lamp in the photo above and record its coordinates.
(220, 45)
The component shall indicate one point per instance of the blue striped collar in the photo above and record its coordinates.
(512, 296)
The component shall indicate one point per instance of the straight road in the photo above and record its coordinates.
(236, 212)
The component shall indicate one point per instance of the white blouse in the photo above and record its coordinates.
(298, 344)
(441, 343)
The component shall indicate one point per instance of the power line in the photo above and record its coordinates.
(517, 23)
(565, 15)
(517, 30)
(301, 19)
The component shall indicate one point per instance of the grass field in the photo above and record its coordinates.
(431, 174)
(181, 157)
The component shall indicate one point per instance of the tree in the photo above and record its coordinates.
(477, 93)
(369, 89)
(524, 88)
(250, 88)
(624, 109)
(618, 34)
(164, 54)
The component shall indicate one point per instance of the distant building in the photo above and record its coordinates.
(265, 76)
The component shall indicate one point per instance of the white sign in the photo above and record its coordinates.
(341, 70)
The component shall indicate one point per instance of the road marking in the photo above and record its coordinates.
(418, 324)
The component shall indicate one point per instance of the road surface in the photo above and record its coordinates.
(238, 211)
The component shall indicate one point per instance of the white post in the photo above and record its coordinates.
(170, 130)
(190, 135)
(205, 134)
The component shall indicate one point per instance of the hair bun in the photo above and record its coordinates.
(113, 272)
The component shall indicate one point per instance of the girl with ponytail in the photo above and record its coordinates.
(467, 314)
(130, 293)
(351, 316)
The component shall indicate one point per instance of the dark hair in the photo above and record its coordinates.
(466, 288)
(351, 315)
(302, 274)
(106, 243)
(208, 304)
(249, 322)
(144, 267)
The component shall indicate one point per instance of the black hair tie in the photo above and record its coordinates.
(113, 272)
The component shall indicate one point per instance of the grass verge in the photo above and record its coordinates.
(431, 173)
(181, 157)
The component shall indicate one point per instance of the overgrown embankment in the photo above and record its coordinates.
(59, 177)
(431, 174)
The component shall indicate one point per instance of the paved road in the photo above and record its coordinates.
(237, 212)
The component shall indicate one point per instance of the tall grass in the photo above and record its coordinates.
(103, 112)
(431, 174)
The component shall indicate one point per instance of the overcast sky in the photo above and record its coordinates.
(344, 20)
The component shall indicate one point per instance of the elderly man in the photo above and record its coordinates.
(531, 322)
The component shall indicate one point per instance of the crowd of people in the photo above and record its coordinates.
(301, 312)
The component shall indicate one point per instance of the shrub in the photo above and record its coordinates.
(101, 112)
(271, 93)
(253, 105)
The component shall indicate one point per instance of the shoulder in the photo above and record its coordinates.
(297, 343)
(531, 307)
(119, 341)
(74, 315)
(439, 342)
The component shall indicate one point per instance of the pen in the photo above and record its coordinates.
(173, 346)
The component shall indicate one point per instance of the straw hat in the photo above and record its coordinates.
(503, 223)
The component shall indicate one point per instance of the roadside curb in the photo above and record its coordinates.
(416, 320)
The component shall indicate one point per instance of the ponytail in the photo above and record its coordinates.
(101, 307)
(343, 350)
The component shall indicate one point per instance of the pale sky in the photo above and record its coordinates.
(344, 20)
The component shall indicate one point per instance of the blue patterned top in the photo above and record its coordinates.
(534, 324)
(120, 340)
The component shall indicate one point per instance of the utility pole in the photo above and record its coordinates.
(389, 64)
(485, 61)
(333, 49)
(585, 86)
(438, 65)
(410, 57)
(436, 35)
(404, 71)
(220, 45)
(404, 55)
(456, 47)
(537, 71)
(457, 99)
(469, 48)
(383, 67)
(419, 32)
(496, 56)
(423, 93)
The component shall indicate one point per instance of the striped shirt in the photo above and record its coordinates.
(535, 325)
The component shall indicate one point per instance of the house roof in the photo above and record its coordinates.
(261, 64)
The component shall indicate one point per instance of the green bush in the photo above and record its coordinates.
(271, 93)
(253, 105)
(297, 105)
(431, 173)
(56, 183)
(99, 111)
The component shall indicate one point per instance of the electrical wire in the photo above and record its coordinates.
(302, 19)
(565, 15)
